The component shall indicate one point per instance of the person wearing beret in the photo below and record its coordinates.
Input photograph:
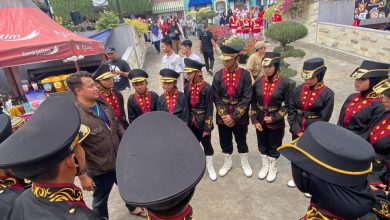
(232, 90)
(379, 137)
(105, 83)
(270, 103)
(51, 160)
(172, 100)
(165, 182)
(101, 145)
(200, 99)
(10, 186)
(311, 101)
(332, 163)
(361, 109)
(142, 101)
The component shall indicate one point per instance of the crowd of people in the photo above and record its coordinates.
(343, 167)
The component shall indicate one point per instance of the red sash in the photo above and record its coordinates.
(380, 130)
(269, 88)
(171, 100)
(308, 97)
(356, 104)
(315, 213)
(194, 92)
(144, 102)
(112, 100)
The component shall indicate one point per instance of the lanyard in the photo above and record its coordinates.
(98, 112)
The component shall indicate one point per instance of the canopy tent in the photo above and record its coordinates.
(27, 35)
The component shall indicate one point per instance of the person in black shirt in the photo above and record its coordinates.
(174, 34)
(207, 43)
(120, 68)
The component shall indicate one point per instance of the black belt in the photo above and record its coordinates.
(268, 109)
(229, 101)
(307, 114)
(198, 111)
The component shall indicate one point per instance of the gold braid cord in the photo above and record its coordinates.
(384, 211)
(315, 214)
(7, 183)
(209, 122)
(58, 194)
(241, 111)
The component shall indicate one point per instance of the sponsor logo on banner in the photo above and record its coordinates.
(18, 37)
(43, 51)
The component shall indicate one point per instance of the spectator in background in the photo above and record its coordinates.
(186, 51)
(120, 68)
(207, 44)
(223, 20)
(277, 17)
(188, 28)
(216, 19)
(156, 36)
(174, 35)
(171, 60)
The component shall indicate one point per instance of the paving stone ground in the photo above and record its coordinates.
(235, 196)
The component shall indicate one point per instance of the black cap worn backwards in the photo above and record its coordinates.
(102, 72)
(159, 172)
(44, 140)
(192, 65)
(371, 69)
(313, 67)
(168, 75)
(137, 75)
(110, 50)
(331, 153)
(5, 127)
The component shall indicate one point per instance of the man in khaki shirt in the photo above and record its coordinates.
(254, 61)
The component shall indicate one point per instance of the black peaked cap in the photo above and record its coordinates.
(5, 127)
(159, 162)
(332, 153)
(137, 75)
(192, 65)
(43, 141)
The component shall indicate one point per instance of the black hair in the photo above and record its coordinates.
(46, 176)
(187, 43)
(74, 80)
(167, 41)
(175, 210)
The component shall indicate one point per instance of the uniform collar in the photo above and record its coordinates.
(186, 215)
(69, 193)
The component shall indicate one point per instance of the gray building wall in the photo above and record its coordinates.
(337, 12)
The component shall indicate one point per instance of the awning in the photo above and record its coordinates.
(164, 7)
(101, 36)
(199, 2)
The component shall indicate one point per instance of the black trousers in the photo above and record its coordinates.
(103, 187)
(269, 140)
(226, 138)
(208, 56)
(206, 141)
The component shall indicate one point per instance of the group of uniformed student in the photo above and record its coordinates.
(344, 167)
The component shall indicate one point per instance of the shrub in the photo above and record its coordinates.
(236, 42)
(286, 32)
(271, 10)
(286, 71)
(203, 15)
(107, 20)
(221, 33)
(289, 51)
(139, 25)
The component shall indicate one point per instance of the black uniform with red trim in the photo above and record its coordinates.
(10, 186)
(139, 104)
(379, 137)
(113, 98)
(332, 163)
(167, 173)
(310, 103)
(175, 102)
(361, 109)
(232, 92)
(49, 145)
(271, 98)
(200, 99)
